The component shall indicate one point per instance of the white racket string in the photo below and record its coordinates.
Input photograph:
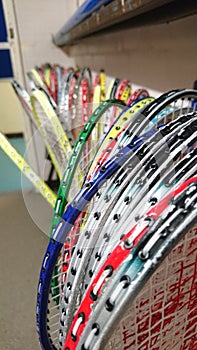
(86, 250)
(115, 297)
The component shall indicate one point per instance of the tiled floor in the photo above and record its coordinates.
(22, 245)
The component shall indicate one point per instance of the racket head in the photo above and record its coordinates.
(62, 196)
(55, 246)
(77, 203)
(153, 115)
(65, 105)
(56, 141)
(24, 99)
(109, 141)
(124, 91)
(137, 94)
(92, 250)
(159, 301)
(77, 157)
(79, 101)
(115, 260)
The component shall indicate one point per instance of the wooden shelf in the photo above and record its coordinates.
(122, 14)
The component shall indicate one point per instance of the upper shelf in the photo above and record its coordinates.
(120, 14)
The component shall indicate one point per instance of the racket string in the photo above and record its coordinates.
(162, 274)
(143, 327)
(73, 267)
(127, 215)
(51, 138)
(160, 309)
(77, 231)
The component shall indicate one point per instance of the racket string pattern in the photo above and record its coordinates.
(178, 208)
(102, 226)
(77, 102)
(76, 159)
(163, 309)
(166, 113)
(129, 201)
(172, 319)
(114, 260)
(109, 142)
(55, 138)
(79, 205)
(65, 104)
(120, 90)
(62, 196)
(97, 255)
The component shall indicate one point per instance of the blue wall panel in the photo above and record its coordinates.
(3, 31)
(5, 64)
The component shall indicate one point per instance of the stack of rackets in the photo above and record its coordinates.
(120, 269)
(60, 103)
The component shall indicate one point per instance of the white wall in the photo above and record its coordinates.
(37, 21)
(160, 57)
(11, 120)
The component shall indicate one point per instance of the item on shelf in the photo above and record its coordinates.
(76, 100)
(81, 98)
(144, 159)
(137, 94)
(65, 103)
(55, 139)
(120, 90)
(25, 101)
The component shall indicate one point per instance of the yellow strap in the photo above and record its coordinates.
(25, 168)
(103, 86)
(96, 97)
(95, 131)
(110, 89)
(126, 93)
(37, 78)
(47, 72)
